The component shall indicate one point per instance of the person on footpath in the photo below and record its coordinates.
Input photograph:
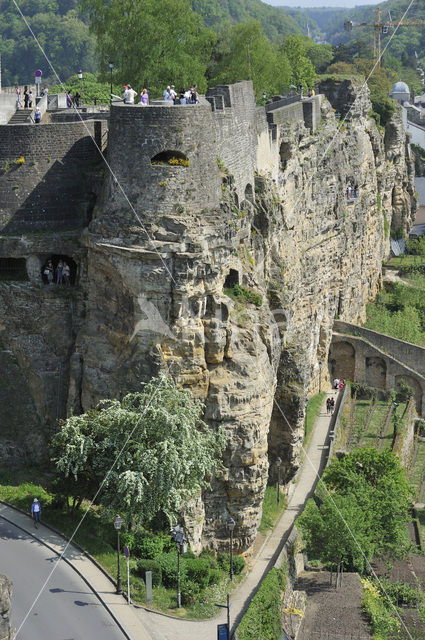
(36, 512)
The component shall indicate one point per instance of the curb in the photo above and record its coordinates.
(95, 562)
(69, 563)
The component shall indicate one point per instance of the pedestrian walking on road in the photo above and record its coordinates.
(332, 405)
(36, 512)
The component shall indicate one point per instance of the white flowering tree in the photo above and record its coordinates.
(149, 452)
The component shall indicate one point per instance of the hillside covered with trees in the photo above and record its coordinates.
(62, 28)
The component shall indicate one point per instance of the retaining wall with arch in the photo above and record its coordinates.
(353, 358)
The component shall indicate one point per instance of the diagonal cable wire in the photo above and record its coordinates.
(102, 484)
(171, 276)
(341, 123)
(347, 526)
(117, 182)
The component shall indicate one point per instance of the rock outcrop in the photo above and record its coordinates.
(6, 631)
(168, 243)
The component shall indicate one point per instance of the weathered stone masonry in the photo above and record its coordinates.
(262, 203)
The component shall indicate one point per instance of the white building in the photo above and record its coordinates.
(400, 92)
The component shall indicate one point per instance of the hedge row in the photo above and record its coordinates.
(195, 573)
(262, 620)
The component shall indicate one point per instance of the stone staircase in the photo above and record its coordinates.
(21, 116)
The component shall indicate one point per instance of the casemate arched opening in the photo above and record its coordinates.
(170, 158)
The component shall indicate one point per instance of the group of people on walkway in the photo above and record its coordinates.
(338, 384)
(311, 92)
(330, 406)
(28, 97)
(72, 100)
(352, 191)
(62, 272)
(185, 96)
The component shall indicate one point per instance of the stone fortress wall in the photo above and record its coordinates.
(259, 200)
(48, 191)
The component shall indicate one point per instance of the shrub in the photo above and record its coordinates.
(189, 591)
(168, 564)
(150, 565)
(381, 618)
(127, 538)
(223, 561)
(238, 564)
(262, 619)
(215, 576)
(147, 545)
(361, 390)
(197, 570)
(189, 554)
(212, 561)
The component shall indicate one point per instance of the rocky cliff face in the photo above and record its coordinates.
(167, 301)
(6, 631)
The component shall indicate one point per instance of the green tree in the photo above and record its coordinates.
(152, 42)
(363, 511)
(169, 452)
(90, 89)
(251, 56)
(302, 70)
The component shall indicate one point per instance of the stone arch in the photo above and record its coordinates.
(232, 278)
(285, 154)
(55, 258)
(249, 193)
(342, 360)
(415, 385)
(13, 269)
(376, 372)
(170, 158)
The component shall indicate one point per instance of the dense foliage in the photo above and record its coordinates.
(91, 90)
(406, 41)
(262, 619)
(220, 14)
(61, 32)
(360, 510)
(150, 452)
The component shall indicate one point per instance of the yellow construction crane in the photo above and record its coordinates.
(381, 28)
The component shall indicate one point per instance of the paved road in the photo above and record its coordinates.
(66, 610)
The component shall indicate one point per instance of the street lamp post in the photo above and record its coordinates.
(177, 536)
(231, 525)
(118, 524)
(278, 463)
(111, 66)
(80, 77)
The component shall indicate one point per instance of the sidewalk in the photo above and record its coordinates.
(141, 624)
(162, 628)
(123, 614)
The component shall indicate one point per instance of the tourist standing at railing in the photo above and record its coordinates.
(18, 97)
(26, 97)
(144, 98)
(129, 95)
(30, 98)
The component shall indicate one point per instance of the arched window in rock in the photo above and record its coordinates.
(249, 193)
(232, 278)
(13, 269)
(285, 154)
(55, 264)
(170, 159)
